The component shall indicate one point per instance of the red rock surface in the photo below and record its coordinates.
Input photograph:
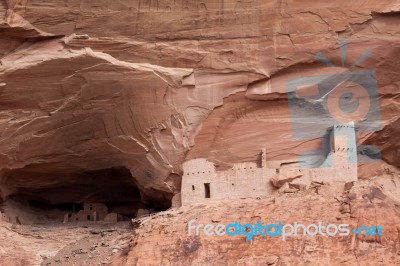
(163, 239)
(76, 95)
(144, 85)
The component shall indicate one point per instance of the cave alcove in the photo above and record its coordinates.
(36, 195)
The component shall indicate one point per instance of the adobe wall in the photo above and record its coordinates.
(247, 180)
(195, 173)
(100, 209)
(90, 212)
(242, 180)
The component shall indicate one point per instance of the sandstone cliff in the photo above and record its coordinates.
(91, 85)
(90, 89)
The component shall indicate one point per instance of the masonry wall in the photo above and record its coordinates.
(341, 163)
(201, 182)
(244, 180)
(90, 212)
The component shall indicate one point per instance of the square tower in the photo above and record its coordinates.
(344, 150)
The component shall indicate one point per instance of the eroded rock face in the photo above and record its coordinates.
(364, 204)
(71, 125)
(144, 85)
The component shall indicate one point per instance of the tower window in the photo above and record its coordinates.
(193, 187)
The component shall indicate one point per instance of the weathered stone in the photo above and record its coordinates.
(147, 85)
(285, 176)
(201, 182)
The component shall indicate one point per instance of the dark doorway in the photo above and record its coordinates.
(207, 190)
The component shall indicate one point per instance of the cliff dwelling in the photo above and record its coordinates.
(30, 196)
(201, 181)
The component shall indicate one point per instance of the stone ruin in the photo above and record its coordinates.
(92, 212)
(201, 181)
(91, 196)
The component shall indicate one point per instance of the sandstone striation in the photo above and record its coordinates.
(112, 97)
(88, 86)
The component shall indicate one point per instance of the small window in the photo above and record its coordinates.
(207, 190)
(77, 219)
(88, 217)
(91, 207)
(193, 187)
